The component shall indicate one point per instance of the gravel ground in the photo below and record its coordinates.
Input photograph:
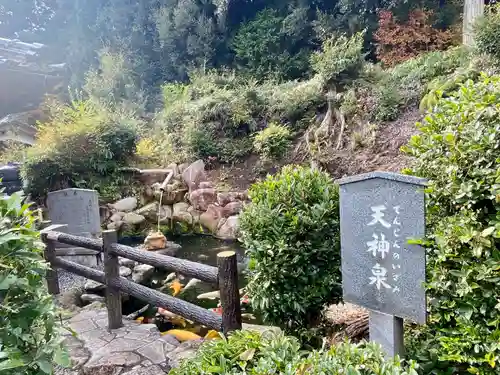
(69, 281)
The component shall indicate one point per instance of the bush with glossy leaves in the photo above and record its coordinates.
(291, 236)
(253, 353)
(30, 343)
(457, 150)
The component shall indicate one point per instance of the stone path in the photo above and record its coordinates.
(135, 349)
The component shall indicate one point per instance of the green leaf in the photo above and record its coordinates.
(488, 232)
(61, 357)
(11, 364)
(45, 366)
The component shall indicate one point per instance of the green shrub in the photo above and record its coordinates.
(273, 141)
(30, 342)
(487, 32)
(457, 150)
(340, 60)
(388, 103)
(291, 236)
(253, 353)
(78, 143)
(291, 101)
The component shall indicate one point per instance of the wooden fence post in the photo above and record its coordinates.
(49, 254)
(229, 292)
(112, 271)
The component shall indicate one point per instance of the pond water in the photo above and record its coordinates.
(196, 248)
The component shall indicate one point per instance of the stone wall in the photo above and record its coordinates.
(189, 204)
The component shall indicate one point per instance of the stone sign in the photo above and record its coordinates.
(78, 209)
(382, 270)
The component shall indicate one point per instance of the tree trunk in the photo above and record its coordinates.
(472, 10)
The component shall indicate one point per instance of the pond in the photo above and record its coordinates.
(196, 248)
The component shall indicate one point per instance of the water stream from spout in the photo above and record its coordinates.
(159, 209)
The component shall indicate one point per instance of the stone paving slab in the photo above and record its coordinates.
(135, 349)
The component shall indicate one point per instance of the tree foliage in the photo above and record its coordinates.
(162, 40)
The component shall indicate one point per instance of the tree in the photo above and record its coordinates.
(472, 10)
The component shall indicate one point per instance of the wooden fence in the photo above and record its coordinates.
(224, 276)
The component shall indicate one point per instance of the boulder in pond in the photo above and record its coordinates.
(149, 211)
(180, 213)
(115, 225)
(228, 229)
(125, 271)
(92, 286)
(210, 219)
(202, 198)
(125, 262)
(91, 298)
(165, 214)
(125, 205)
(117, 216)
(194, 175)
(142, 273)
(131, 218)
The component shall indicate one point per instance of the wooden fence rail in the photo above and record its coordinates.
(224, 276)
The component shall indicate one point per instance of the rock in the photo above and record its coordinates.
(202, 257)
(171, 195)
(115, 225)
(104, 213)
(174, 168)
(206, 185)
(232, 208)
(151, 176)
(117, 216)
(195, 214)
(184, 351)
(202, 198)
(180, 213)
(170, 249)
(129, 263)
(125, 205)
(229, 229)
(194, 174)
(90, 298)
(182, 167)
(165, 214)
(131, 218)
(142, 273)
(149, 211)
(125, 271)
(210, 219)
(93, 286)
(225, 198)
